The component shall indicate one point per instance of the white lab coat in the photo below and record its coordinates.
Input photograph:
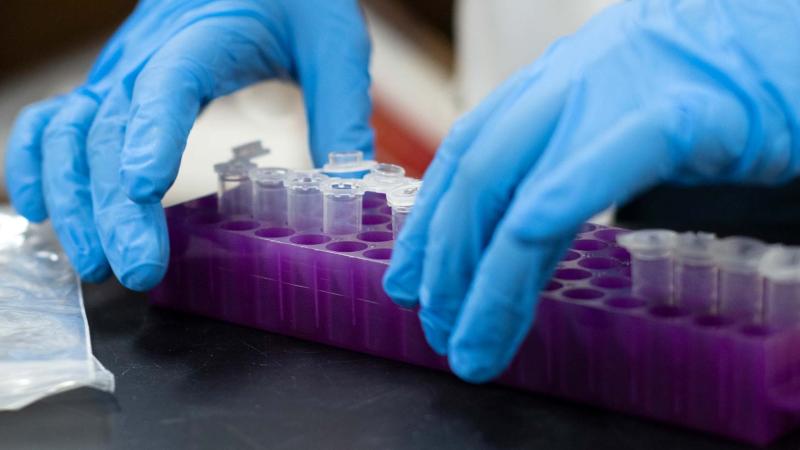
(494, 38)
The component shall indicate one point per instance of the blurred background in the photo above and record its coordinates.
(432, 60)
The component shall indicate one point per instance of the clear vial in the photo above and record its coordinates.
(269, 195)
(384, 177)
(342, 208)
(347, 164)
(780, 268)
(304, 201)
(652, 254)
(234, 194)
(740, 283)
(696, 272)
(401, 199)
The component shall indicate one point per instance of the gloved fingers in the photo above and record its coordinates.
(649, 145)
(66, 186)
(501, 304)
(133, 235)
(211, 58)
(334, 76)
(24, 159)
(467, 214)
(144, 24)
(403, 278)
(640, 150)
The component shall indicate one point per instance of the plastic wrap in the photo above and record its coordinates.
(44, 337)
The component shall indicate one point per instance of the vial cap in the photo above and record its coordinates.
(234, 169)
(781, 263)
(269, 176)
(342, 188)
(739, 253)
(384, 177)
(347, 161)
(650, 243)
(248, 151)
(696, 248)
(306, 180)
(404, 196)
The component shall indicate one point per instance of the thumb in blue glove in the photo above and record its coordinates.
(690, 91)
(99, 159)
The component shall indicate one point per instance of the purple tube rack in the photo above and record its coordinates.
(592, 341)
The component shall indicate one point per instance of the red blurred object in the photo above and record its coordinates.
(398, 143)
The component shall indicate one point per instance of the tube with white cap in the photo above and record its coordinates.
(304, 199)
(401, 199)
(269, 195)
(696, 272)
(652, 253)
(780, 268)
(234, 194)
(384, 177)
(740, 284)
(347, 164)
(342, 205)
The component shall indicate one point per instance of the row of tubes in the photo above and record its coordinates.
(734, 276)
(329, 201)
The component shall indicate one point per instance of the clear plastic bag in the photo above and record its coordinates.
(44, 337)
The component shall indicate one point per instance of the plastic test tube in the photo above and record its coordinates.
(652, 254)
(740, 284)
(384, 177)
(780, 268)
(347, 164)
(304, 201)
(696, 272)
(401, 200)
(234, 195)
(269, 195)
(342, 205)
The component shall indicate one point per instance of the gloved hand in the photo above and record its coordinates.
(99, 159)
(688, 91)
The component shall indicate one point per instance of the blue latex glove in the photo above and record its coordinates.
(99, 159)
(688, 91)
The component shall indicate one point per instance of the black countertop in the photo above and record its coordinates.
(190, 382)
